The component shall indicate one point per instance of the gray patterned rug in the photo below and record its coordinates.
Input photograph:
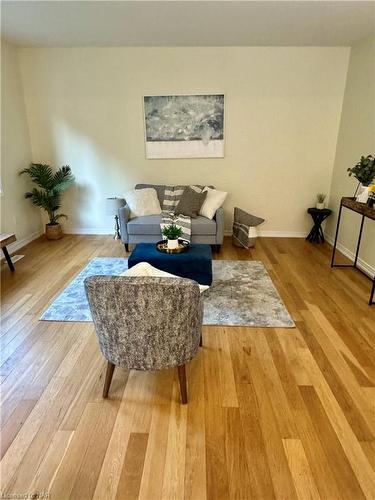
(242, 294)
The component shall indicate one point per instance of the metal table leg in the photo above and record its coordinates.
(336, 236)
(371, 300)
(359, 241)
(8, 259)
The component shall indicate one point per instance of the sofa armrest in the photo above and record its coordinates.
(219, 217)
(124, 217)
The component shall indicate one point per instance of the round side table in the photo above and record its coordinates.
(318, 215)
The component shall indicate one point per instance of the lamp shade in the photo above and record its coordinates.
(113, 204)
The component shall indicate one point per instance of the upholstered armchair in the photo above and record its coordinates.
(146, 323)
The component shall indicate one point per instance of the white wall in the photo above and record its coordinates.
(17, 214)
(356, 138)
(283, 105)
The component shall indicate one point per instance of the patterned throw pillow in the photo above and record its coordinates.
(190, 202)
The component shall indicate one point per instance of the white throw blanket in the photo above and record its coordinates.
(172, 196)
(181, 221)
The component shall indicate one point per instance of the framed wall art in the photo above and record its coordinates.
(184, 126)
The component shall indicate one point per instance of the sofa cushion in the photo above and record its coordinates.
(202, 225)
(150, 224)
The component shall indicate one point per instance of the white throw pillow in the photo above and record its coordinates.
(146, 269)
(213, 201)
(142, 202)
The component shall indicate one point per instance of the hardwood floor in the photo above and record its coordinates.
(272, 413)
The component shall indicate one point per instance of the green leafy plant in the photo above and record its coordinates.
(320, 197)
(364, 170)
(52, 185)
(172, 232)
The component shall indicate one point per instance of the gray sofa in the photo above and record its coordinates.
(146, 229)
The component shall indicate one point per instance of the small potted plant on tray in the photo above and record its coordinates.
(320, 197)
(172, 233)
(52, 185)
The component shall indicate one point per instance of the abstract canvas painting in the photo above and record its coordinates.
(184, 126)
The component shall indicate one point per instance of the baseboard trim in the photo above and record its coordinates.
(282, 234)
(275, 234)
(362, 264)
(13, 247)
(104, 230)
(88, 230)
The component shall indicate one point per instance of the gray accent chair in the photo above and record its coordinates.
(146, 323)
(146, 229)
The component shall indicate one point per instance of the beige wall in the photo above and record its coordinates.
(356, 138)
(17, 214)
(283, 107)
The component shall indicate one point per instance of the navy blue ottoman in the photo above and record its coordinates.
(195, 263)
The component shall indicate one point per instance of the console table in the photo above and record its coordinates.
(365, 211)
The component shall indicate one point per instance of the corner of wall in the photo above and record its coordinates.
(330, 186)
(17, 215)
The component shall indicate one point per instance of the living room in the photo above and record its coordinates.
(187, 207)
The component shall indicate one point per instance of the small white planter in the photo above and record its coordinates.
(172, 244)
(320, 206)
(362, 195)
(253, 235)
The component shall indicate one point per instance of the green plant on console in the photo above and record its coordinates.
(364, 170)
(52, 185)
(320, 197)
(172, 232)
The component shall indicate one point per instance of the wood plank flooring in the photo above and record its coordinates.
(272, 413)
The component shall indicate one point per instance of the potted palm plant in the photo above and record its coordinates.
(48, 197)
(172, 233)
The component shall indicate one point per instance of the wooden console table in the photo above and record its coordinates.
(365, 211)
(7, 239)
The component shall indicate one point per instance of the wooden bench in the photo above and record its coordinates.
(7, 239)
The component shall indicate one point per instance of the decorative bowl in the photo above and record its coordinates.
(183, 246)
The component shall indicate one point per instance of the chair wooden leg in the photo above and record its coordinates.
(200, 341)
(182, 380)
(108, 378)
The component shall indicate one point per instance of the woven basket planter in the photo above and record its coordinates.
(53, 232)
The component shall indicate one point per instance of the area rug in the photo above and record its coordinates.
(242, 294)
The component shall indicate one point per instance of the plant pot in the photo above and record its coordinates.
(362, 194)
(53, 231)
(172, 244)
(320, 206)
